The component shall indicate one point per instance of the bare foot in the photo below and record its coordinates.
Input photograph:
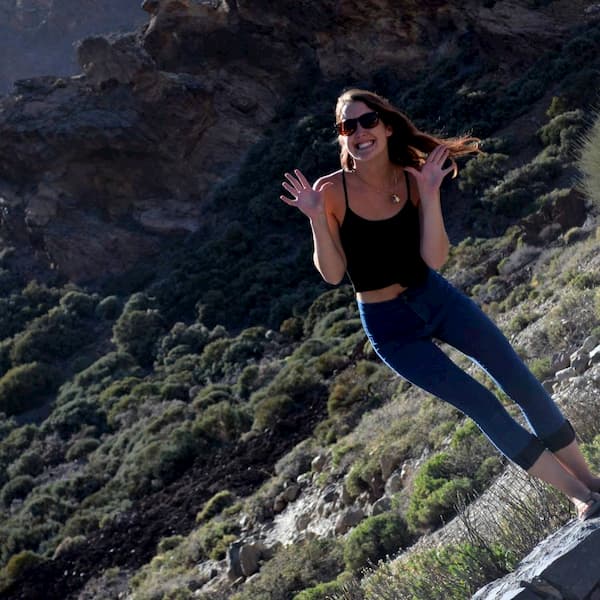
(589, 508)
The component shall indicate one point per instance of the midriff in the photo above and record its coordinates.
(381, 295)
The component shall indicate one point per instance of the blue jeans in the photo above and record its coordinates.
(402, 331)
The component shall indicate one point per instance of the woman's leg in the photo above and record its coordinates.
(551, 470)
(570, 456)
(422, 363)
(467, 328)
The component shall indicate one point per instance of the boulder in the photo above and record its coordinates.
(565, 565)
(560, 361)
(318, 462)
(595, 355)
(395, 483)
(382, 505)
(291, 492)
(249, 557)
(567, 373)
(348, 519)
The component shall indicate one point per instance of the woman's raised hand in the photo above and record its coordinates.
(307, 199)
(431, 174)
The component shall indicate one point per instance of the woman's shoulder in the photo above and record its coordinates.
(335, 177)
(334, 194)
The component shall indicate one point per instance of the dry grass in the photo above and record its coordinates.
(483, 543)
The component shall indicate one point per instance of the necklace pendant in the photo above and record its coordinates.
(395, 199)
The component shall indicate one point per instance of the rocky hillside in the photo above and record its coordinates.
(186, 410)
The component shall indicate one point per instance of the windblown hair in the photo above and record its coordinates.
(407, 146)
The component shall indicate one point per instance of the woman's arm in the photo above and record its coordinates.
(434, 239)
(314, 202)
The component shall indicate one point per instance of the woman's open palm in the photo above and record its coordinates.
(307, 199)
(431, 174)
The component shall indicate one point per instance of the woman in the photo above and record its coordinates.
(379, 219)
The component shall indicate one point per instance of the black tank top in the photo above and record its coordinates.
(384, 251)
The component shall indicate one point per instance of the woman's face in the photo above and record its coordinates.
(364, 143)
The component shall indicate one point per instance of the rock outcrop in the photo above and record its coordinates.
(98, 170)
(565, 566)
(37, 36)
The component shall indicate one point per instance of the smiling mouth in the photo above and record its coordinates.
(364, 145)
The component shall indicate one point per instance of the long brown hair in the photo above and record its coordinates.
(408, 145)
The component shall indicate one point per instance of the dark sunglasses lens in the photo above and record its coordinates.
(347, 127)
(369, 120)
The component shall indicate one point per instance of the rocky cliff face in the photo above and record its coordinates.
(37, 36)
(97, 170)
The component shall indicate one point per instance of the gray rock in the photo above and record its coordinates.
(408, 468)
(303, 521)
(348, 519)
(388, 462)
(589, 343)
(280, 503)
(595, 355)
(318, 462)
(249, 556)
(567, 373)
(304, 479)
(560, 361)
(382, 505)
(291, 492)
(548, 385)
(330, 493)
(568, 561)
(206, 571)
(580, 362)
(234, 568)
(394, 484)
(346, 498)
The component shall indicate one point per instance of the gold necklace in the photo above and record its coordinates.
(395, 198)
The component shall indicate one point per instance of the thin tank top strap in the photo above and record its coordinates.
(345, 188)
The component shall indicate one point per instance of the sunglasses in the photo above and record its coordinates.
(348, 126)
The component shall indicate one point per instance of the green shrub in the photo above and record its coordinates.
(222, 422)
(57, 334)
(373, 539)
(247, 381)
(29, 463)
(109, 308)
(437, 492)
(17, 488)
(325, 591)
(81, 448)
(25, 386)
(215, 537)
(137, 332)
(560, 126)
(19, 565)
(292, 328)
(482, 171)
(452, 572)
(193, 338)
(271, 410)
(294, 568)
(169, 543)
(215, 505)
(71, 417)
(79, 303)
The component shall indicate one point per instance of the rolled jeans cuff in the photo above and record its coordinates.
(529, 455)
(561, 438)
